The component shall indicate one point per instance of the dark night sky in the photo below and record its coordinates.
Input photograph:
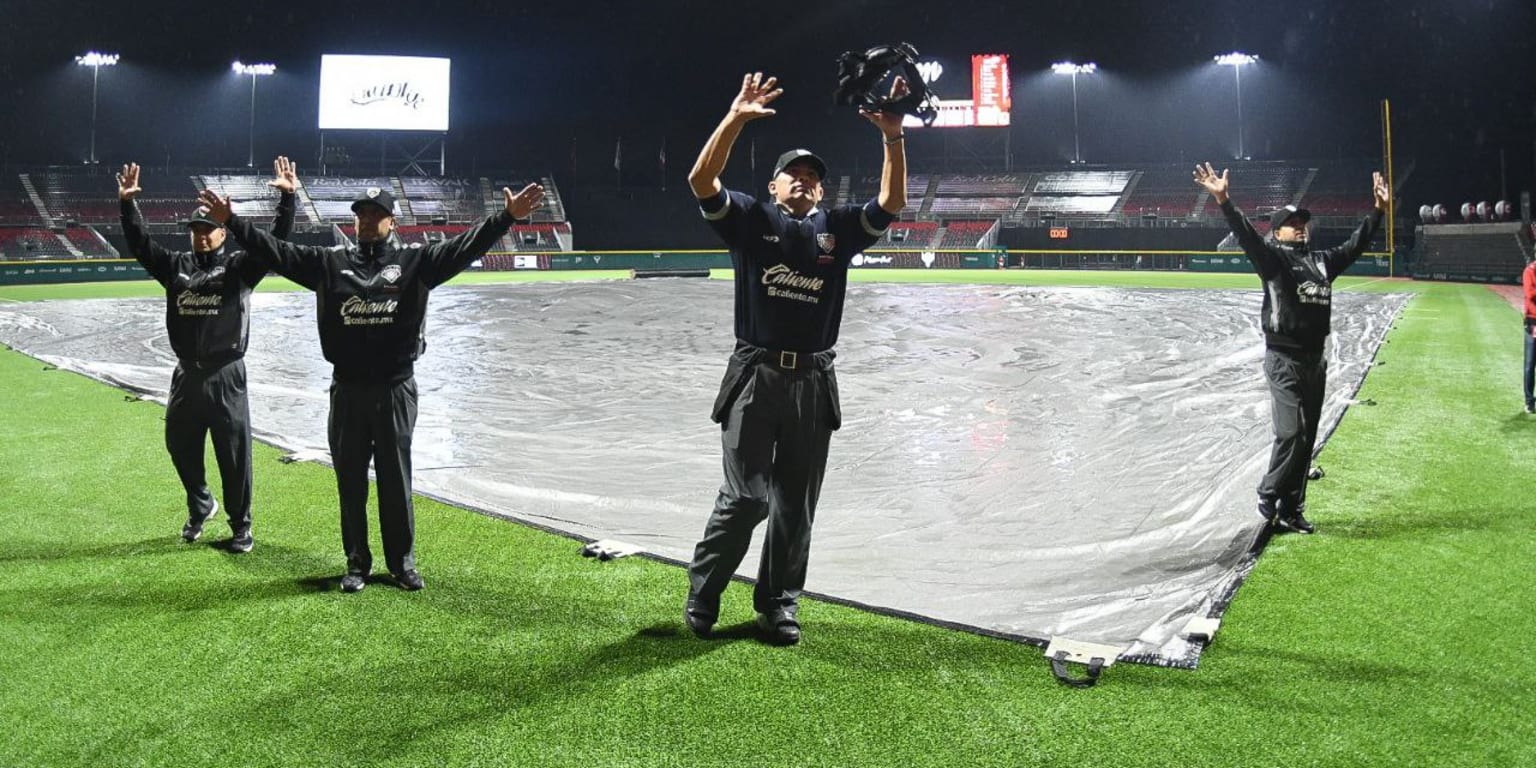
(534, 80)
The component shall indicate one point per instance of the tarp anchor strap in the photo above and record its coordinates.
(1059, 668)
(1096, 656)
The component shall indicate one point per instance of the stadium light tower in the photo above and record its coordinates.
(95, 61)
(255, 71)
(1237, 61)
(1068, 68)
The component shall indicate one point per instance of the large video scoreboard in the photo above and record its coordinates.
(990, 93)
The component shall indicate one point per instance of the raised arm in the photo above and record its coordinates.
(1342, 257)
(156, 260)
(1248, 237)
(302, 264)
(450, 257)
(286, 180)
(751, 103)
(893, 174)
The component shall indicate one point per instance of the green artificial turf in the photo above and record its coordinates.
(1400, 635)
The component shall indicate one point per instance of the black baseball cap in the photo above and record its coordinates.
(200, 216)
(800, 155)
(1282, 215)
(375, 196)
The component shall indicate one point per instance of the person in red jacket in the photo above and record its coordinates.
(1528, 278)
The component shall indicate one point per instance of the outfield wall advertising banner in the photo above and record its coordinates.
(383, 93)
(70, 272)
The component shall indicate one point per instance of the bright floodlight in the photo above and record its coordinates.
(1235, 59)
(1068, 68)
(253, 69)
(94, 59)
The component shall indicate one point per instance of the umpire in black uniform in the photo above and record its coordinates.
(1298, 293)
(207, 315)
(778, 403)
(371, 303)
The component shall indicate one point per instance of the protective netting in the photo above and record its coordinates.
(1031, 462)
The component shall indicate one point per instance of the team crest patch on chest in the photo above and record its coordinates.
(826, 241)
(390, 273)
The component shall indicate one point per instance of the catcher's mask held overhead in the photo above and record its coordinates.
(859, 74)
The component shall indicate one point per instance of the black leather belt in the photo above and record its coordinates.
(788, 359)
(210, 364)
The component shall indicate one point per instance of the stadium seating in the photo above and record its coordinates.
(90, 196)
(1260, 188)
(455, 200)
(1340, 189)
(16, 207)
(25, 243)
(965, 234)
(1091, 183)
(90, 244)
(553, 209)
(1165, 190)
(535, 237)
(973, 206)
(251, 196)
(909, 235)
(19, 212)
(1470, 249)
(865, 188)
(333, 196)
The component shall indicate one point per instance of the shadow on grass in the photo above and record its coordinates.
(1389, 525)
(480, 692)
(43, 551)
(129, 581)
(1519, 422)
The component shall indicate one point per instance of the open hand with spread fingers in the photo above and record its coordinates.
(128, 182)
(286, 176)
(755, 96)
(524, 203)
(1206, 177)
(1379, 189)
(219, 208)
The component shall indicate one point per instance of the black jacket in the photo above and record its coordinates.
(207, 295)
(371, 298)
(1298, 282)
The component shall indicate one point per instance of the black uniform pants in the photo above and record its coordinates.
(211, 400)
(1296, 379)
(374, 422)
(777, 423)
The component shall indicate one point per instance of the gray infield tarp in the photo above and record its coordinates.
(1029, 462)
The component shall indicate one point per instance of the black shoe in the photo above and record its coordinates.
(242, 542)
(410, 581)
(779, 628)
(194, 526)
(1269, 509)
(1294, 523)
(700, 617)
(353, 582)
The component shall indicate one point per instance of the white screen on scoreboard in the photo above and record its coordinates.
(383, 93)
